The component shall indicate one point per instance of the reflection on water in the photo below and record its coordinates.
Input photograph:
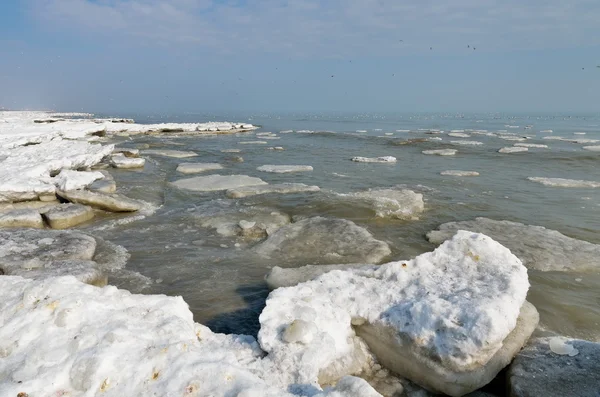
(223, 282)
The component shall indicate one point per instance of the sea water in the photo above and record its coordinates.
(224, 283)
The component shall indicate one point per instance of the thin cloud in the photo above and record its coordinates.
(333, 28)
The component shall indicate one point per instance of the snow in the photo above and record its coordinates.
(323, 241)
(217, 182)
(453, 308)
(390, 203)
(440, 152)
(74, 180)
(179, 154)
(281, 188)
(539, 248)
(284, 169)
(459, 173)
(513, 149)
(561, 182)
(191, 168)
(384, 159)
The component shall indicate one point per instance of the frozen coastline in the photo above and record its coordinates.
(459, 311)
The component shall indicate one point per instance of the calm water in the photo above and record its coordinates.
(223, 284)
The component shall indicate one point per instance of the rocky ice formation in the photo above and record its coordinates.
(459, 173)
(330, 241)
(280, 188)
(539, 248)
(569, 368)
(389, 203)
(384, 159)
(217, 182)
(561, 182)
(441, 152)
(284, 169)
(192, 168)
(449, 320)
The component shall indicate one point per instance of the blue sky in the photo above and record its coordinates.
(275, 55)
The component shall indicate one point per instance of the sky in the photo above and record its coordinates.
(159, 56)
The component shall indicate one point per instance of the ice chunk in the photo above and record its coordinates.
(107, 202)
(73, 180)
(103, 186)
(390, 203)
(560, 346)
(441, 152)
(252, 143)
(459, 173)
(321, 240)
(448, 313)
(561, 182)
(122, 161)
(21, 218)
(280, 188)
(467, 143)
(230, 150)
(279, 277)
(217, 182)
(191, 168)
(250, 222)
(284, 169)
(459, 135)
(170, 153)
(539, 248)
(513, 149)
(537, 371)
(384, 159)
(592, 148)
(67, 215)
(531, 145)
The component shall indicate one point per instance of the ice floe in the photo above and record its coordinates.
(562, 182)
(288, 277)
(389, 203)
(217, 182)
(467, 143)
(441, 152)
(122, 161)
(330, 241)
(179, 154)
(252, 143)
(459, 173)
(67, 215)
(447, 320)
(459, 135)
(384, 159)
(21, 218)
(539, 248)
(284, 169)
(250, 223)
(513, 149)
(543, 369)
(592, 148)
(108, 202)
(531, 145)
(281, 188)
(192, 168)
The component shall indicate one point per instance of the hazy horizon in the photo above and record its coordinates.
(151, 56)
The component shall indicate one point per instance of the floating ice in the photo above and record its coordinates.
(252, 143)
(230, 151)
(539, 248)
(284, 169)
(459, 173)
(169, 153)
(592, 148)
(459, 135)
(561, 182)
(21, 218)
(384, 159)
(217, 182)
(122, 161)
(513, 149)
(467, 143)
(560, 346)
(444, 319)
(321, 240)
(441, 152)
(281, 188)
(390, 203)
(191, 168)
(67, 215)
(281, 277)
(103, 201)
(531, 145)
(248, 222)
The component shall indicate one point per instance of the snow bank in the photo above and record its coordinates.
(284, 169)
(561, 182)
(281, 188)
(449, 311)
(389, 203)
(539, 248)
(321, 240)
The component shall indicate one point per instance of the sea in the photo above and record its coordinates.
(170, 252)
